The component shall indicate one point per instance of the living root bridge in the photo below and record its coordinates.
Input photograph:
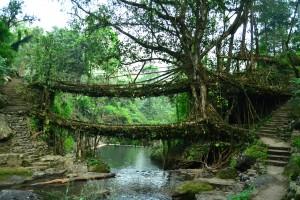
(184, 130)
(231, 85)
(128, 90)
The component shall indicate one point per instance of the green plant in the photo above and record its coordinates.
(296, 141)
(233, 162)
(63, 105)
(69, 144)
(34, 124)
(292, 170)
(257, 151)
(295, 103)
(244, 195)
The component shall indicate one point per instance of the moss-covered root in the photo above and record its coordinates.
(188, 189)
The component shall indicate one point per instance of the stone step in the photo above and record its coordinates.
(278, 121)
(277, 163)
(281, 114)
(279, 152)
(40, 163)
(275, 126)
(268, 135)
(280, 158)
(266, 130)
(280, 148)
(19, 112)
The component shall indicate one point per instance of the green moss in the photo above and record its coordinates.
(229, 173)
(19, 171)
(193, 187)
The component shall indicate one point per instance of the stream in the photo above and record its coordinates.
(137, 177)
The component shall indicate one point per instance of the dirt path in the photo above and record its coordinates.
(275, 190)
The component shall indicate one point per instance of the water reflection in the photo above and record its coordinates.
(137, 177)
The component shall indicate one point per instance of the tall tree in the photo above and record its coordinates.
(178, 32)
(12, 16)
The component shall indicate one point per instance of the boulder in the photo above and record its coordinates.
(5, 131)
(244, 163)
(54, 160)
(188, 190)
(18, 195)
(213, 195)
(13, 180)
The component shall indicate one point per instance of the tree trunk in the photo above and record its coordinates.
(199, 93)
(243, 42)
(219, 59)
(228, 64)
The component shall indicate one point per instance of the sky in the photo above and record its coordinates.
(49, 12)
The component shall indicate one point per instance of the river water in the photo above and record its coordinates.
(137, 177)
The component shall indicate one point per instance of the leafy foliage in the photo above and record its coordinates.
(296, 142)
(70, 54)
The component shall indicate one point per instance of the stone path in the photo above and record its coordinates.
(275, 190)
(275, 135)
(23, 149)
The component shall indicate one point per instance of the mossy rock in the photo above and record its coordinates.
(188, 189)
(14, 175)
(228, 173)
(15, 171)
(97, 166)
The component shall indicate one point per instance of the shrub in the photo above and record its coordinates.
(244, 195)
(257, 151)
(69, 144)
(292, 170)
(296, 141)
